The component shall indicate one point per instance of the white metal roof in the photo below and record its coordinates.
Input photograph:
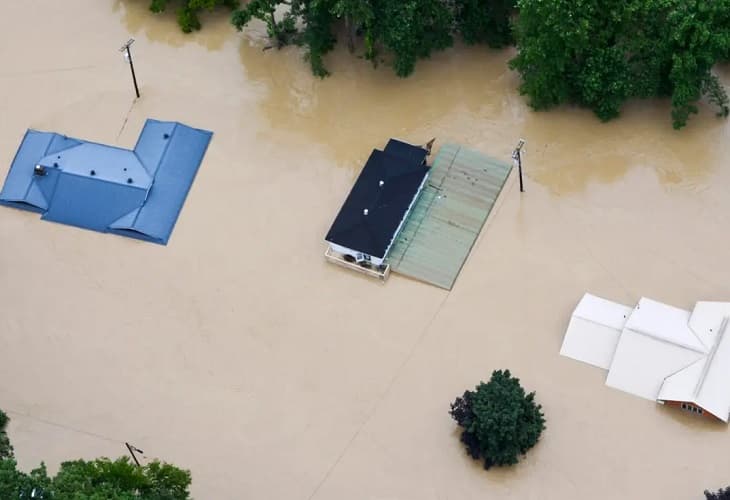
(656, 351)
(594, 331)
(706, 382)
(706, 319)
(641, 363)
(664, 322)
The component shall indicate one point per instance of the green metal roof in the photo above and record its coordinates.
(443, 225)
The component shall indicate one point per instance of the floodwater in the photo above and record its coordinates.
(238, 353)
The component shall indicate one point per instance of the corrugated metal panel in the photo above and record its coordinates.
(442, 227)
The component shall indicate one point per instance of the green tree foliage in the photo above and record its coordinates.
(412, 29)
(6, 449)
(500, 422)
(722, 494)
(100, 479)
(599, 53)
(16, 484)
(404, 30)
(187, 12)
(485, 21)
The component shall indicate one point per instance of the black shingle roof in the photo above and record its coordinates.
(401, 168)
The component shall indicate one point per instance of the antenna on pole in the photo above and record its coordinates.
(517, 157)
(125, 49)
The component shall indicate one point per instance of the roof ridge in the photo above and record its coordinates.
(663, 339)
(680, 370)
(711, 356)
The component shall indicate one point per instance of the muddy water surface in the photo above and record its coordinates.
(237, 352)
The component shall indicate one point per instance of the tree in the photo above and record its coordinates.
(499, 421)
(100, 479)
(721, 494)
(412, 30)
(485, 21)
(600, 53)
(17, 484)
(6, 449)
(187, 13)
(403, 30)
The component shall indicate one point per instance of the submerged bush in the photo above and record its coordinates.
(187, 12)
(722, 494)
(500, 422)
(6, 450)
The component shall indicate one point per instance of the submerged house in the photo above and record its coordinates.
(378, 204)
(657, 352)
(137, 193)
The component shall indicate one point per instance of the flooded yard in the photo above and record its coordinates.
(239, 353)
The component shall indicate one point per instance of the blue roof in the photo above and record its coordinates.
(137, 193)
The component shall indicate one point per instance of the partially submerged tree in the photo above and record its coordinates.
(600, 53)
(721, 494)
(500, 421)
(6, 449)
(100, 479)
(485, 21)
(402, 30)
(187, 11)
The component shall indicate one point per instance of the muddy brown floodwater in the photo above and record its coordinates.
(238, 353)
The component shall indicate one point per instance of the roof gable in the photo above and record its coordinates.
(74, 194)
(705, 382)
(664, 322)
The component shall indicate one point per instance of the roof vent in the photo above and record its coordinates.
(381, 183)
(365, 212)
(129, 180)
(41, 170)
(166, 136)
(55, 164)
(93, 172)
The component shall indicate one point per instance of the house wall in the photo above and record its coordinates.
(678, 405)
(405, 216)
(376, 261)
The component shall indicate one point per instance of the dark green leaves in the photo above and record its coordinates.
(412, 29)
(403, 31)
(187, 12)
(600, 53)
(485, 21)
(500, 422)
(6, 449)
(100, 479)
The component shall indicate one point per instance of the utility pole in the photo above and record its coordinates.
(128, 57)
(132, 449)
(517, 156)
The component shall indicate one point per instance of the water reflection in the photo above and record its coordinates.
(359, 107)
(468, 95)
(163, 27)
